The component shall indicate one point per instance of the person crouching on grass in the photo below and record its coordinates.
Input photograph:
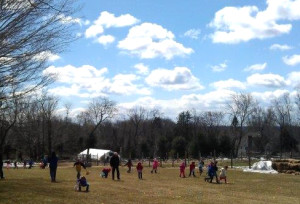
(139, 169)
(223, 173)
(82, 182)
(105, 172)
(182, 169)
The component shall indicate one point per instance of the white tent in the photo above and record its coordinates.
(95, 153)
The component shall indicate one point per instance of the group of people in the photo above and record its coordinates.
(212, 170)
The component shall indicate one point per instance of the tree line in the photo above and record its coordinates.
(33, 129)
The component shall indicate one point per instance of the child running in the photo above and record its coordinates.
(139, 169)
(223, 173)
(192, 169)
(182, 169)
(78, 165)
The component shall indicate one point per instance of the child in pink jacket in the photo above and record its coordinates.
(154, 166)
(182, 169)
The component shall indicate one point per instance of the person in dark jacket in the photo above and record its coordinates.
(129, 164)
(114, 163)
(53, 166)
(1, 170)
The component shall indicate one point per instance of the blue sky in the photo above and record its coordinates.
(179, 55)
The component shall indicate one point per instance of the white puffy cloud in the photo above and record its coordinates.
(108, 20)
(256, 67)
(211, 101)
(180, 78)
(292, 60)
(69, 19)
(280, 47)
(47, 55)
(294, 79)
(192, 33)
(106, 39)
(228, 84)
(141, 68)
(219, 68)
(87, 81)
(267, 80)
(267, 96)
(123, 84)
(241, 24)
(150, 41)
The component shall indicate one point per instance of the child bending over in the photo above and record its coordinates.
(105, 172)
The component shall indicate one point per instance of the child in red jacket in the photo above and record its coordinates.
(139, 169)
(182, 169)
(192, 169)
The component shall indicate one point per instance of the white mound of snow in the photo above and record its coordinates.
(262, 167)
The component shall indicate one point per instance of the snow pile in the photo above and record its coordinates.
(262, 167)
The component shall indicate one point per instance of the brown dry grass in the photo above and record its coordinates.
(33, 186)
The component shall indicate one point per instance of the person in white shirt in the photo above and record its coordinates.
(223, 174)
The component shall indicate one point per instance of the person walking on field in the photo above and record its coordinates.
(192, 169)
(139, 169)
(53, 166)
(182, 169)
(129, 164)
(114, 163)
(201, 165)
(154, 166)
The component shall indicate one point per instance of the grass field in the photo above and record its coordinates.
(34, 186)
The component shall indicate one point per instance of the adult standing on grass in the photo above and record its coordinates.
(114, 163)
(53, 166)
(1, 170)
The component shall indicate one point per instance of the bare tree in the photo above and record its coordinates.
(283, 108)
(30, 32)
(262, 122)
(297, 101)
(99, 110)
(9, 110)
(136, 116)
(48, 106)
(241, 107)
(211, 123)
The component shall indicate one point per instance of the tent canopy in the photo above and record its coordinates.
(95, 153)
